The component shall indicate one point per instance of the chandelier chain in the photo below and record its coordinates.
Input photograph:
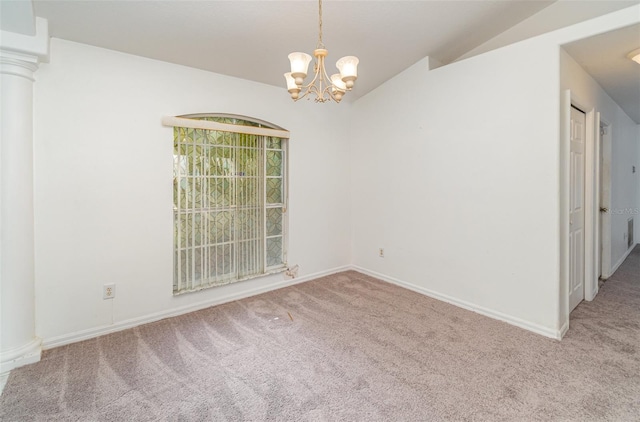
(320, 44)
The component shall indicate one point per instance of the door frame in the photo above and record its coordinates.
(592, 208)
(579, 206)
(604, 244)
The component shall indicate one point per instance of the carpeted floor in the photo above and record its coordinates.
(352, 349)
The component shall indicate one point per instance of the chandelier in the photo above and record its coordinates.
(325, 88)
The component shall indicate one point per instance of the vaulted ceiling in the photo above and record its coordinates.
(251, 39)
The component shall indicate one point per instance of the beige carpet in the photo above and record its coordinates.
(354, 349)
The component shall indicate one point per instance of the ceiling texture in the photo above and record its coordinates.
(251, 39)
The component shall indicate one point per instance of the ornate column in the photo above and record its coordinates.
(19, 57)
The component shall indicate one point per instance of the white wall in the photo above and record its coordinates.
(453, 175)
(103, 184)
(625, 150)
(456, 173)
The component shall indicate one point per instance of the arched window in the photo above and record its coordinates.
(229, 200)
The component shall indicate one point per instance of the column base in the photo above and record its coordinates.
(20, 356)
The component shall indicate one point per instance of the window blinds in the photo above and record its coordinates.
(229, 204)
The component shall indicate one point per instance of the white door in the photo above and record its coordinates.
(576, 211)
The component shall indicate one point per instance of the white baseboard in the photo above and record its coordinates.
(563, 330)
(130, 323)
(538, 329)
(20, 356)
(621, 260)
(74, 337)
(3, 381)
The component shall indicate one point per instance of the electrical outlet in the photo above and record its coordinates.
(109, 291)
(381, 252)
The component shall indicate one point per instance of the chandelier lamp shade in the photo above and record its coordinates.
(324, 88)
(635, 55)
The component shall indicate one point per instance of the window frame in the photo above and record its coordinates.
(263, 131)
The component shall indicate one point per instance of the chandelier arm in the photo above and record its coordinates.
(327, 82)
(311, 84)
(324, 94)
(324, 74)
(310, 88)
(321, 85)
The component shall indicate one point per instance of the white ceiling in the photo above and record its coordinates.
(604, 57)
(17, 16)
(251, 39)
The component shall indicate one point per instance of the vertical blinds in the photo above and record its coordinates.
(229, 206)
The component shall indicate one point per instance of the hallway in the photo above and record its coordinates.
(615, 312)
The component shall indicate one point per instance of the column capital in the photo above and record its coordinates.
(18, 64)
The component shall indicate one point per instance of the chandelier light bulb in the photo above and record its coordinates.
(348, 67)
(337, 82)
(299, 66)
(292, 87)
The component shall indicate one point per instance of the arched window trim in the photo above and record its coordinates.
(195, 121)
(238, 119)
